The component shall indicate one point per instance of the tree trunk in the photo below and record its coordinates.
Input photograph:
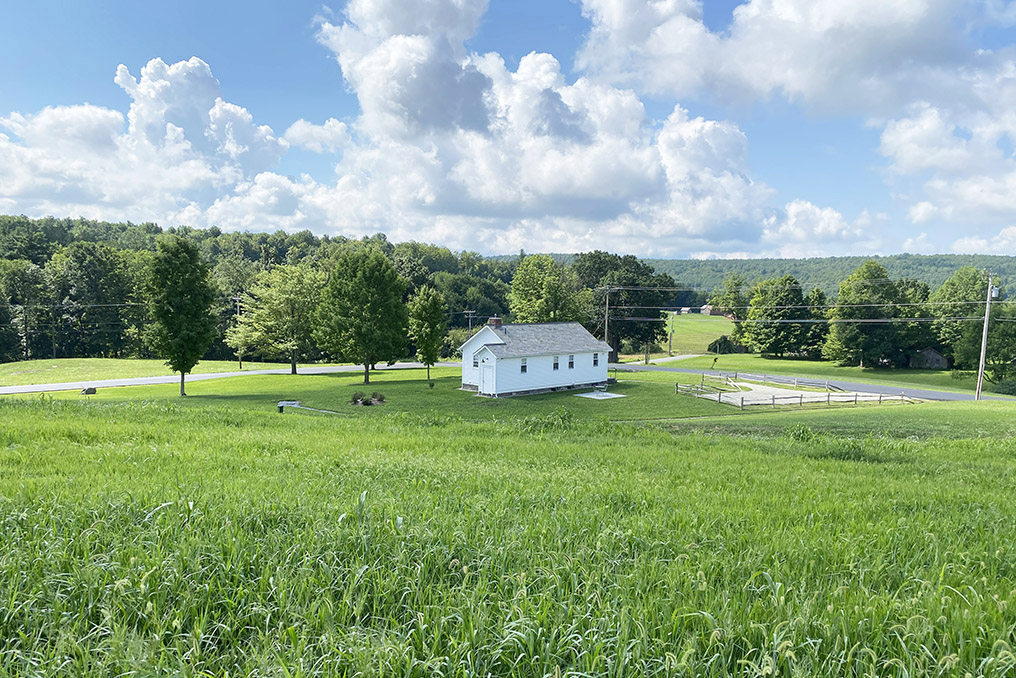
(182, 392)
(428, 372)
(292, 362)
(366, 373)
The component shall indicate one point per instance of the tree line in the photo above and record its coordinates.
(826, 273)
(81, 288)
(875, 320)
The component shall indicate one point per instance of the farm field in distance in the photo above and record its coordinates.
(441, 533)
(693, 333)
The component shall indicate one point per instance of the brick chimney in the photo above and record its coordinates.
(494, 321)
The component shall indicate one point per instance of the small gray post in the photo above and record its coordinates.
(795, 382)
(855, 397)
(827, 394)
(879, 398)
(742, 402)
(801, 397)
(719, 394)
(774, 402)
(827, 384)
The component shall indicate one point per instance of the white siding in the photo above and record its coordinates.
(540, 372)
(470, 374)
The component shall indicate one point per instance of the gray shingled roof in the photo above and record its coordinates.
(544, 339)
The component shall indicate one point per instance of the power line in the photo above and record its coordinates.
(826, 306)
(837, 321)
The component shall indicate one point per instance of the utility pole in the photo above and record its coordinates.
(469, 317)
(606, 319)
(984, 335)
(239, 354)
(670, 349)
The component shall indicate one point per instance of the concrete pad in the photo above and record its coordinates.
(600, 395)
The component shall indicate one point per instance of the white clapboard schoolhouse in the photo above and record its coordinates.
(502, 360)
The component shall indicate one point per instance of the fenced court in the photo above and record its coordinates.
(760, 390)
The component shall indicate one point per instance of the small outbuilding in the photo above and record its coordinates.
(503, 360)
(709, 309)
(929, 359)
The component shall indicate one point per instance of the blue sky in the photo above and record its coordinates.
(716, 129)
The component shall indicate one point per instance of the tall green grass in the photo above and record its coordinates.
(157, 537)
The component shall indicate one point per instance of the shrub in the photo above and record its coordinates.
(453, 340)
(378, 398)
(1005, 387)
(723, 345)
(357, 398)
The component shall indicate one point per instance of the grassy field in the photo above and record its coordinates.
(89, 369)
(821, 369)
(445, 534)
(692, 334)
(648, 396)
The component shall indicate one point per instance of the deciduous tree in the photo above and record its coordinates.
(636, 311)
(865, 335)
(180, 301)
(769, 327)
(361, 316)
(279, 314)
(962, 295)
(544, 291)
(427, 324)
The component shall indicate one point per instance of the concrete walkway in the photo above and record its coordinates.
(852, 386)
(175, 379)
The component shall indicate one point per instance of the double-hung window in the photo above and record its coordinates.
(571, 362)
(596, 359)
(522, 368)
(555, 362)
(476, 361)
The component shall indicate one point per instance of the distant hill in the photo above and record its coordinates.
(827, 272)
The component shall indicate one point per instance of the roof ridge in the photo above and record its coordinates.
(559, 322)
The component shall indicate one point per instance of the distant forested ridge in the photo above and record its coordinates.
(826, 273)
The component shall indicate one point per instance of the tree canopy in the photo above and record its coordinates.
(544, 291)
(279, 314)
(361, 317)
(180, 297)
(427, 325)
(868, 296)
(769, 327)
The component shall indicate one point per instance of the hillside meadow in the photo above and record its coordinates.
(445, 534)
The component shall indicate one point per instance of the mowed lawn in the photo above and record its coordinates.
(91, 369)
(647, 396)
(148, 534)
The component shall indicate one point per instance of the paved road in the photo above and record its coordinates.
(920, 393)
(175, 379)
(670, 359)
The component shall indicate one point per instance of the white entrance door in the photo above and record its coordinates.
(487, 379)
